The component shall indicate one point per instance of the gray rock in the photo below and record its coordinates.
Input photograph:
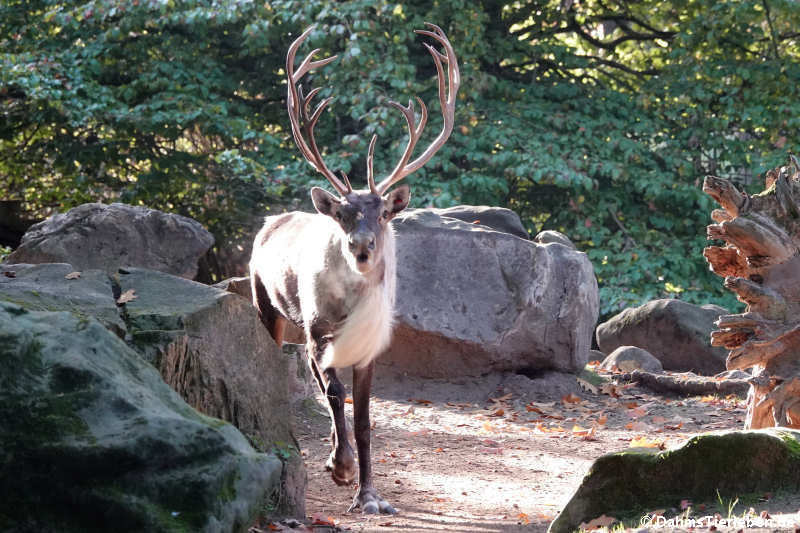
(211, 347)
(550, 236)
(630, 358)
(596, 355)
(471, 301)
(93, 440)
(107, 237)
(45, 288)
(496, 218)
(707, 468)
(677, 333)
(207, 343)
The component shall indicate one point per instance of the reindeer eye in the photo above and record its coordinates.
(338, 215)
(385, 214)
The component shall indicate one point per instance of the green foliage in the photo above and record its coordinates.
(597, 119)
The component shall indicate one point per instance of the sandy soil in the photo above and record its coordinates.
(497, 453)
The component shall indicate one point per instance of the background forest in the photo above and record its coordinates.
(596, 118)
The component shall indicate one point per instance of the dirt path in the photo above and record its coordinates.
(499, 453)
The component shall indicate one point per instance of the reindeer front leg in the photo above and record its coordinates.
(341, 462)
(367, 497)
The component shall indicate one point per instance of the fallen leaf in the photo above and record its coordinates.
(73, 275)
(599, 522)
(583, 433)
(503, 398)
(386, 524)
(522, 517)
(10, 274)
(637, 412)
(438, 450)
(570, 398)
(602, 420)
(420, 401)
(498, 412)
(533, 409)
(638, 426)
(348, 400)
(645, 442)
(320, 519)
(610, 389)
(274, 527)
(127, 296)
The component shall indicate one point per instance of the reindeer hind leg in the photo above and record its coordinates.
(270, 317)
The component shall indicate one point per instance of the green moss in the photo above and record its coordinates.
(790, 439)
(227, 492)
(592, 377)
(733, 465)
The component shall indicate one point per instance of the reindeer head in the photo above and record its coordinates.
(363, 215)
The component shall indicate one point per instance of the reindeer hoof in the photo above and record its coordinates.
(342, 473)
(370, 503)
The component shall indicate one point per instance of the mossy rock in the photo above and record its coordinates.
(92, 439)
(727, 465)
(45, 288)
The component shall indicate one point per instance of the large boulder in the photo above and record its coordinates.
(496, 218)
(471, 300)
(94, 440)
(630, 358)
(677, 333)
(704, 470)
(211, 347)
(208, 344)
(106, 237)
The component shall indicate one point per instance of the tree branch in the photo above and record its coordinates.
(773, 39)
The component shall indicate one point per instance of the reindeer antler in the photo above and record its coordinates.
(303, 124)
(297, 106)
(447, 100)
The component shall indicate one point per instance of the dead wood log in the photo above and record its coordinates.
(688, 383)
(761, 265)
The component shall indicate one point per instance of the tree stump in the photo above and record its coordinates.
(761, 264)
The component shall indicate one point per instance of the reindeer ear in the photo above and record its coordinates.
(325, 202)
(397, 200)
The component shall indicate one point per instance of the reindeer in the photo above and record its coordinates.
(333, 273)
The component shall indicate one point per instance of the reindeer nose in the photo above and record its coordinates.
(361, 241)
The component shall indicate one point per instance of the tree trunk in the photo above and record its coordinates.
(761, 264)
